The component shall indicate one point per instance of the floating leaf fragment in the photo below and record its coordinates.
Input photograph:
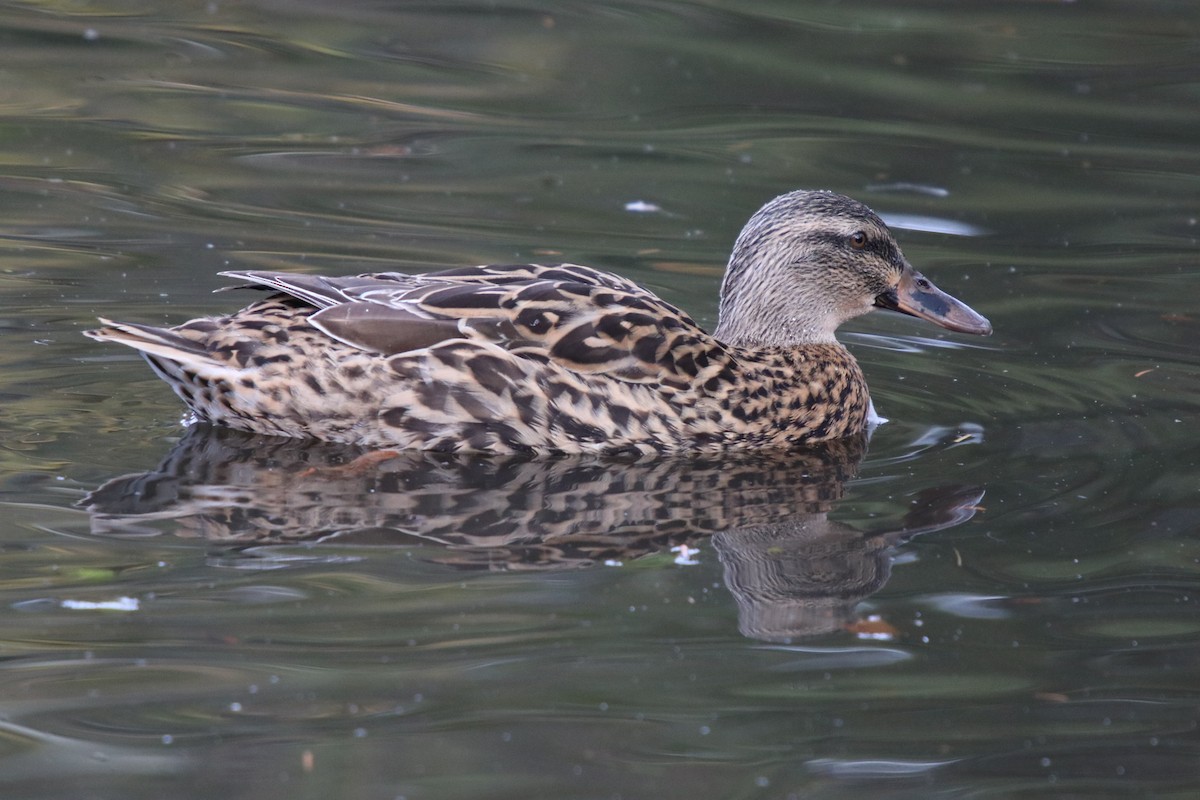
(873, 627)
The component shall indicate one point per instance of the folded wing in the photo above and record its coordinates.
(579, 318)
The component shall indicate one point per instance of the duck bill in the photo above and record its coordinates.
(917, 296)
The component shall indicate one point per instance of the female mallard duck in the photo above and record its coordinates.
(559, 358)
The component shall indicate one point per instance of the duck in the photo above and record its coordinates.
(559, 357)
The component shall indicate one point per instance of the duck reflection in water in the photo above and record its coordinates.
(792, 571)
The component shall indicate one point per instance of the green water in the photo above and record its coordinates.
(998, 599)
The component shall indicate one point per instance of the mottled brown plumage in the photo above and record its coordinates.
(559, 358)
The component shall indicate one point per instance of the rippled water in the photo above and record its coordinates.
(999, 598)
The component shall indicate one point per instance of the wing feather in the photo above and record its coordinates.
(580, 318)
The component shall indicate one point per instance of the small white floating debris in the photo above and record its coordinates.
(642, 207)
(612, 562)
(120, 604)
(686, 555)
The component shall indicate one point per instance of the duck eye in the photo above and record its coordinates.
(858, 240)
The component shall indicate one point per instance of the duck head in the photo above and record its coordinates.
(808, 261)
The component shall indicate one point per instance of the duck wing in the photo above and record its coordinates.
(579, 318)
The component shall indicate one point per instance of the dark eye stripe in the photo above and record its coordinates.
(883, 248)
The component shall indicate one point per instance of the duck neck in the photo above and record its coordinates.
(781, 334)
(755, 313)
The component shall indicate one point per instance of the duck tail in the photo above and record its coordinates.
(157, 342)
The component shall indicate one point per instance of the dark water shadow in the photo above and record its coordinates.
(793, 571)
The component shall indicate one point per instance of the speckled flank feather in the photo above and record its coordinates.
(527, 358)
